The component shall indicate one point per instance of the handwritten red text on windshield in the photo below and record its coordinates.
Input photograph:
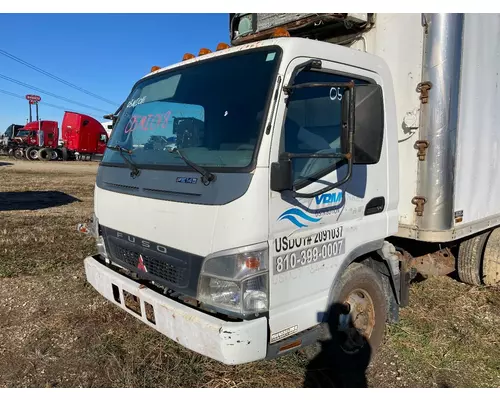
(150, 122)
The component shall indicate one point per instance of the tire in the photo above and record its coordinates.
(491, 260)
(56, 155)
(18, 154)
(45, 154)
(357, 279)
(32, 153)
(470, 257)
(65, 154)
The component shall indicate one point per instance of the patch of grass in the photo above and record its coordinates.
(29, 246)
(450, 335)
(44, 240)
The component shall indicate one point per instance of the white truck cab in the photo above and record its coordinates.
(244, 204)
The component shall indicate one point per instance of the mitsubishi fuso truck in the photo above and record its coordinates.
(263, 195)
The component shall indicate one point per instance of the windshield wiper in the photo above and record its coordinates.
(135, 171)
(206, 176)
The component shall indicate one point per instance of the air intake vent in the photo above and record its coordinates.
(122, 186)
(170, 192)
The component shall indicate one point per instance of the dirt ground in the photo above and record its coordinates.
(56, 331)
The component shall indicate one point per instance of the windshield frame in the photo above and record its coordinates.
(267, 107)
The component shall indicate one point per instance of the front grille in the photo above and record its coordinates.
(176, 275)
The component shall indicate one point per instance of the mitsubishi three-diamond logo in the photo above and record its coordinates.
(140, 264)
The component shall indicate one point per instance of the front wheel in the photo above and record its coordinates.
(359, 312)
(18, 153)
(355, 322)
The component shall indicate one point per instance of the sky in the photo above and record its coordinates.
(101, 53)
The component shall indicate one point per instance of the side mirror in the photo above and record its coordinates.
(369, 124)
(281, 175)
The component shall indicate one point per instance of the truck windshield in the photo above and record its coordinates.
(23, 133)
(212, 110)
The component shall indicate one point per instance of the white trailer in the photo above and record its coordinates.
(307, 177)
(107, 127)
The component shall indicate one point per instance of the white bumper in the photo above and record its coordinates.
(227, 342)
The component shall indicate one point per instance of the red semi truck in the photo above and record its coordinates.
(37, 140)
(83, 137)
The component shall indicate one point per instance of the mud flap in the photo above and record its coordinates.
(406, 276)
(392, 302)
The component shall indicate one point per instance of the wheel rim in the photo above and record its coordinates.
(357, 323)
(34, 154)
(54, 155)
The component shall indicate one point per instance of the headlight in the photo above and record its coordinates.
(236, 281)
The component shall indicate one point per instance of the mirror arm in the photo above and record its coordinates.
(328, 187)
(309, 64)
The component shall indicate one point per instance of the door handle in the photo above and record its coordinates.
(375, 206)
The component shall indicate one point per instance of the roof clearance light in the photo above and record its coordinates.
(222, 46)
(280, 32)
(155, 68)
(204, 51)
(188, 56)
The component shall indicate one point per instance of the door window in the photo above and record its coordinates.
(314, 124)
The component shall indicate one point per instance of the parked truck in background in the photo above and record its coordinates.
(11, 131)
(82, 138)
(334, 156)
(7, 144)
(107, 127)
(37, 140)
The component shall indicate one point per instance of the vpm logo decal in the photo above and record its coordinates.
(294, 214)
(329, 198)
(300, 218)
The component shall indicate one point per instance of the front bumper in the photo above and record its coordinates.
(227, 342)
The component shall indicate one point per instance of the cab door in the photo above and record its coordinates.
(311, 237)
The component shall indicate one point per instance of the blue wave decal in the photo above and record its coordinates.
(292, 214)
